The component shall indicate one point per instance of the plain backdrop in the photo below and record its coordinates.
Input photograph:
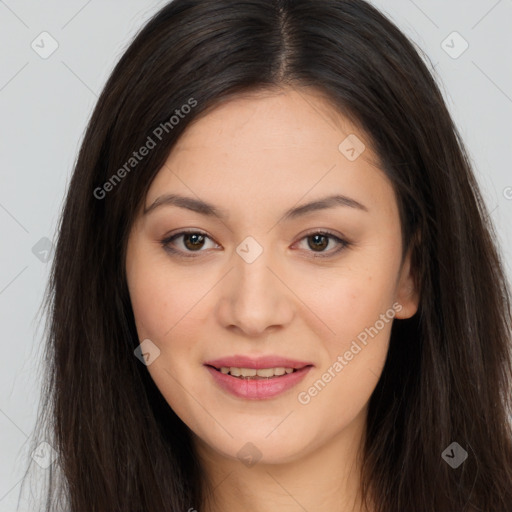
(46, 101)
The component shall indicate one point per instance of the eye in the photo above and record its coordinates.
(318, 241)
(195, 241)
(192, 241)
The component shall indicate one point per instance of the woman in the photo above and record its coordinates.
(275, 284)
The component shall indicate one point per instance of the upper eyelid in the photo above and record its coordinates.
(169, 238)
(199, 232)
(340, 239)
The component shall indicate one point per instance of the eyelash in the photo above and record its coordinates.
(166, 241)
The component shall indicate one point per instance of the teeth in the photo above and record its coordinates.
(245, 372)
(253, 372)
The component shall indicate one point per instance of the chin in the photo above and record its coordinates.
(250, 448)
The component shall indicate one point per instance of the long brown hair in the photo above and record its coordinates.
(448, 373)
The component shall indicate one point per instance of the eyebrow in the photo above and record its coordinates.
(204, 208)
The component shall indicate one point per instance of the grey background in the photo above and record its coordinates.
(45, 105)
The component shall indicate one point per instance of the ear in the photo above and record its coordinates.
(407, 293)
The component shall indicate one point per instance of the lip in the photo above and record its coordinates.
(257, 389)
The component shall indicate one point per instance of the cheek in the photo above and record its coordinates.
(161, 298)
(349, 302)
(357, 310)
(167, 311)
(354, 356)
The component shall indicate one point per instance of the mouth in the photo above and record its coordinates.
(256, 373)
(256, 383)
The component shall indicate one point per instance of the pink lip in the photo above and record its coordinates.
(257, 389)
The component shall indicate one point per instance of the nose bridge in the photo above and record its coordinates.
(255, 298)
(255, 281)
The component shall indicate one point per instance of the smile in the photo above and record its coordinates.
(255, 373)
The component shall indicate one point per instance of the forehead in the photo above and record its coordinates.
(284, 117)
(273, 146)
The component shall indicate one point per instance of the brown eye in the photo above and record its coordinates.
(193, 241)
(318, 241)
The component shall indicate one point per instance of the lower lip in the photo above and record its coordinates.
(258, 389)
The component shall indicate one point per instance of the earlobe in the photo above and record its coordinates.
(407, 293)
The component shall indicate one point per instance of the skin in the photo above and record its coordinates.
(254, 157)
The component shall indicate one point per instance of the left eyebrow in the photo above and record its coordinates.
(323, 204)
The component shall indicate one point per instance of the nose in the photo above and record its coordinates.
(254, 297)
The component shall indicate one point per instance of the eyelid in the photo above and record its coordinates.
(186, 254)
(340, 239)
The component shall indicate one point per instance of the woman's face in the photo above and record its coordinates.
(256, 281)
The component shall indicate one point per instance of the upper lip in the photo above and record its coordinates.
(270, 361)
